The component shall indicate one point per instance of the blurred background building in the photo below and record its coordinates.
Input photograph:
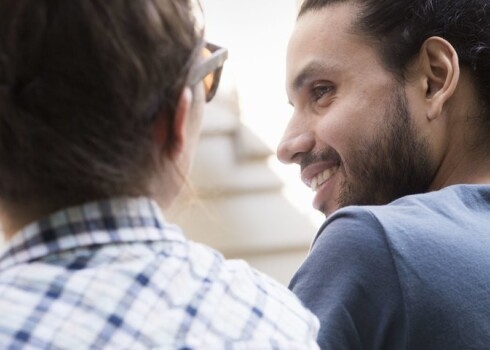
(247, 204)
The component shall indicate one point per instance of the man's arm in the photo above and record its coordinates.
(349, 280)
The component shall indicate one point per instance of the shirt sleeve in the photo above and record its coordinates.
(350, 282)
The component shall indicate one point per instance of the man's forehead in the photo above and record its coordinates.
(315, 29)
(310, 45)
(338, 15)
(322, 41)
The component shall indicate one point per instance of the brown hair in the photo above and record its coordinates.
(81, 82)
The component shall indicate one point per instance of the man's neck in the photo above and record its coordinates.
(463, 167)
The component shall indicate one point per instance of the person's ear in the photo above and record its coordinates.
(172, 136)
(441, 71)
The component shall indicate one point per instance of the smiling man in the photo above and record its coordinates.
(391, 129)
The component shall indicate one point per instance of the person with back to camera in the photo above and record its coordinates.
(101, 104)
(391, 129)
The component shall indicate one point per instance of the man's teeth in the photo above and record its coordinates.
(321, 178)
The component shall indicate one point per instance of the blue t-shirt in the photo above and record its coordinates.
(414, 274)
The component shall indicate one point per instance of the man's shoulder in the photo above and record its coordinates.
(413, 214)
(377, 230)
(357, 225)
(350, 281)
(449, 199)
(390, 262)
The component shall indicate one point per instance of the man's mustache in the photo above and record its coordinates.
(328, 155)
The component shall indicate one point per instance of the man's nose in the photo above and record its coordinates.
(294, 144)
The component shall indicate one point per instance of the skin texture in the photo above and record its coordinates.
(381, 138)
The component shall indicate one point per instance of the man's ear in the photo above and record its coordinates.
(173, 136)
(440, 68)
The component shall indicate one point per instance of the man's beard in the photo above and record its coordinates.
(394, 164)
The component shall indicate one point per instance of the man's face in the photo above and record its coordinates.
(351, 132)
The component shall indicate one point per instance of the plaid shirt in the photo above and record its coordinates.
(115, 275)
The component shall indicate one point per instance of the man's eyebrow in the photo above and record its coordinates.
(313, 69)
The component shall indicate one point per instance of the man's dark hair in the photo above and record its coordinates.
(400, 27)
(81, 82)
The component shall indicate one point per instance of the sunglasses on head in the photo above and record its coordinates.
(208, 69)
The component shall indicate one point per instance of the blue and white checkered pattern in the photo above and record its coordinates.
(115, 275)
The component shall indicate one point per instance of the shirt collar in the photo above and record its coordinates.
(91, 224)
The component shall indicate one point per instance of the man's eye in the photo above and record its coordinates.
(317, 92)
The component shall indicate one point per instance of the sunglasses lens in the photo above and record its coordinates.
(208, 79)
(208, 83)
(212, 58)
